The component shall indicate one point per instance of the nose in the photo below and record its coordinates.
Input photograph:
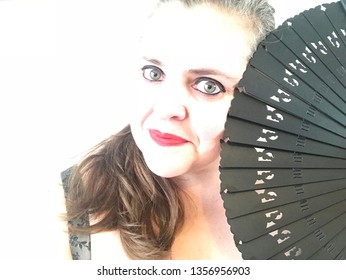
(171, 106)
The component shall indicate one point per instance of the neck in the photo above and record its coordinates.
(205, 233)
(201, 190)
(205, 177)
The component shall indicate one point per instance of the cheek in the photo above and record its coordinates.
(142, 103)
(211, 131)
(210, 121)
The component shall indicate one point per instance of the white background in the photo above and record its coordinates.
(65, 84)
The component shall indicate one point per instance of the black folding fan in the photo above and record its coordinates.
(283, 158)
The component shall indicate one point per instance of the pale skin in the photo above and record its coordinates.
(188, 69)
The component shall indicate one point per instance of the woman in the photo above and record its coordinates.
(152, 191)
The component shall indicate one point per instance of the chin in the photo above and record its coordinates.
(167, 173)
(167, 170)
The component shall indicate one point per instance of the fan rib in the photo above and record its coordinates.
(283, 157)
(269, 244)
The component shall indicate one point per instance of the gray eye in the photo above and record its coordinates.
(209, 86)
(152, 73)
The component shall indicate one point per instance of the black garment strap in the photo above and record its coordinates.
(80, 244)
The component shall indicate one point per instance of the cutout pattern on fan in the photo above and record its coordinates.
(283, 159)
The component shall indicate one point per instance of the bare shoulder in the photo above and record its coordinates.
(107, 246)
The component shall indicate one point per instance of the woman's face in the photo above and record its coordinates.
(190, 62)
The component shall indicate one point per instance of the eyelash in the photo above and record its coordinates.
(152, 67)
(215, 82)
(194, 85)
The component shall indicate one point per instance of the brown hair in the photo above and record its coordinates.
(114, 185)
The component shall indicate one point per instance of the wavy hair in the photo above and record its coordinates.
(113, 185)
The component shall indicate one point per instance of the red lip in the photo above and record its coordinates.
(166, 139)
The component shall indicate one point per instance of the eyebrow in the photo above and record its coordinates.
(153, 61)
(199, 72)
(207, 71)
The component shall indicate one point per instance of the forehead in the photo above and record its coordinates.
(197, 37)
